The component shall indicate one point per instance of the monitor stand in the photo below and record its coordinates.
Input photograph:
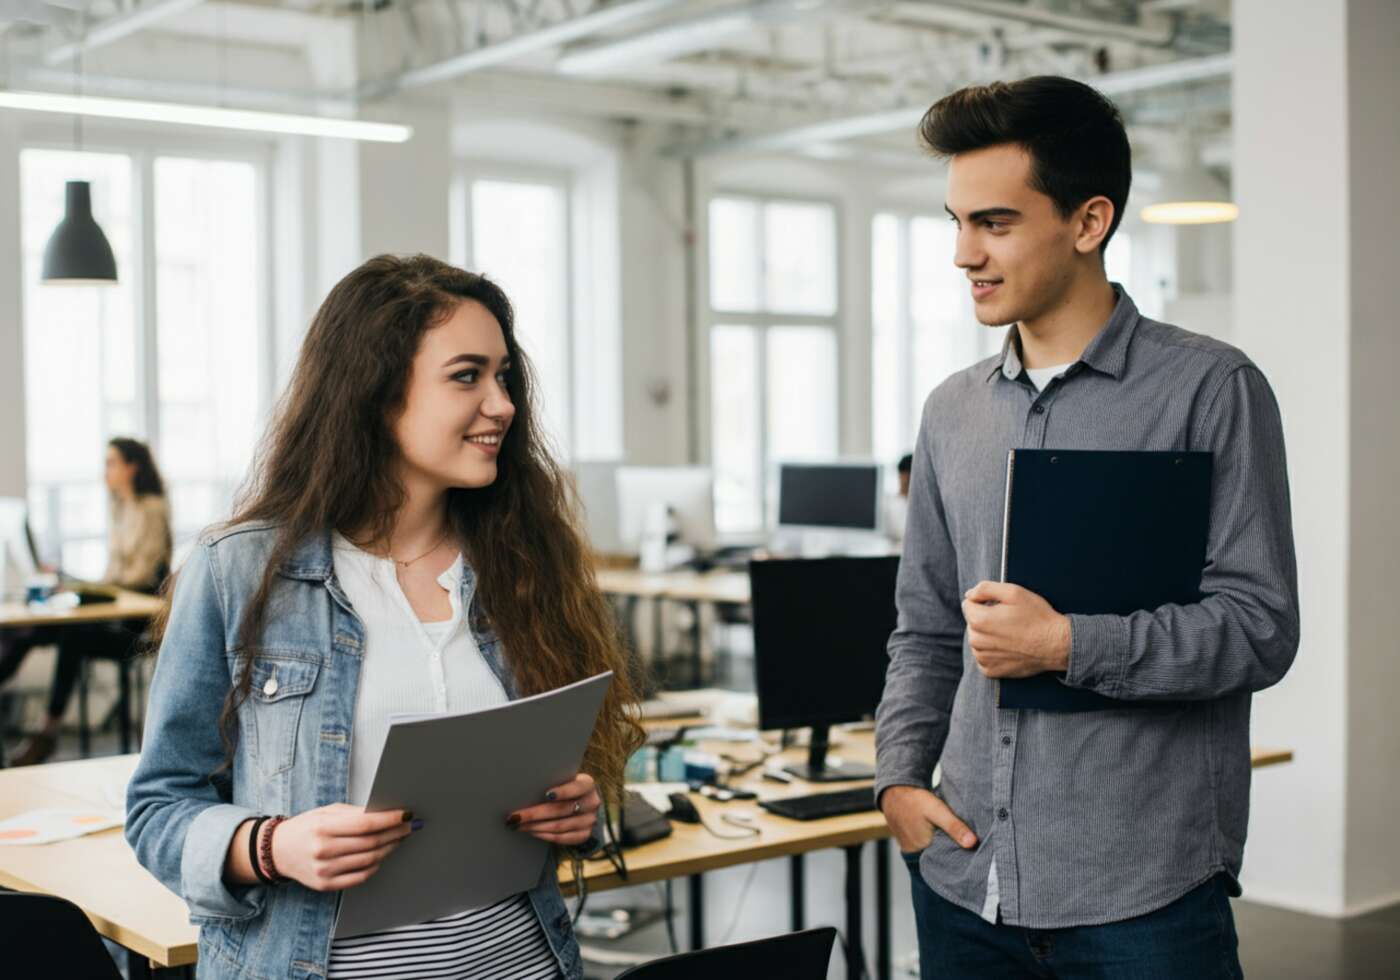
(819, 769)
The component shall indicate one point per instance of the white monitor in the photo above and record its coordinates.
(689, 491)
(597, 492)
(829, 496)
(17, 561)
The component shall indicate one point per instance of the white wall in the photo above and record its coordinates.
(1315, 153)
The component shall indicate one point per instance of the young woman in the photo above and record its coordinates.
(138, 557)
(405, 544)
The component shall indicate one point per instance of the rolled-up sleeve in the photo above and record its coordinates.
(925, 649)
(1243, 634)
(179, 820)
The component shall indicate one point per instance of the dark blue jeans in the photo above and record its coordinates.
(1193, 938)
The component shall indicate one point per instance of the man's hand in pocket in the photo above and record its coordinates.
(914, 814)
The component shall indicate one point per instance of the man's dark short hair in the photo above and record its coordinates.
(906, 463)
(1073, 133)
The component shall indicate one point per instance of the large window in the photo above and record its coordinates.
(520, 238)
(172, 354)
(924, 327)
(773, 314)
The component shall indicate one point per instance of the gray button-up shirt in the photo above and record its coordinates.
(1098, 816)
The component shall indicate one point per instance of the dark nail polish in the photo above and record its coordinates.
(551, 796)
(408, 816)
(513, 820)
(416, 826)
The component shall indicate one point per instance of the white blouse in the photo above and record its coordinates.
(408, 666)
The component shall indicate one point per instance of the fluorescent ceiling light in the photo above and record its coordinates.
(209, 116)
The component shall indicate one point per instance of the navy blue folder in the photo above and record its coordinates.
(1101, 532)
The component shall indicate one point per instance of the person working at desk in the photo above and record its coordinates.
(138, 558)
(1103, 843)
(897, 506)
(406, 545)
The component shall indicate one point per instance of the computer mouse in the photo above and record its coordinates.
(682, 809)
(741, 816)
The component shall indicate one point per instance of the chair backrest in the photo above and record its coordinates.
(43, 936)
(794, 956)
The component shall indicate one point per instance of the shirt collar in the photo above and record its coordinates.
(1107, 352)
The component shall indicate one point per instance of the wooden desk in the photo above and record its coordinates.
(128, 605)
(99, 873)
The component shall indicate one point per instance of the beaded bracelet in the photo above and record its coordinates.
(253, 850)
(265, 850)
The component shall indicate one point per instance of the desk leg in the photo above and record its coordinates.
(797, 887)
(698, 637)
(124, 672)
(855, 949)
(658, 637)
(697, 911)
(882, 910)
(84, 736)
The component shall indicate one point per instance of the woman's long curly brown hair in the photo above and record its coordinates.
(329, 461)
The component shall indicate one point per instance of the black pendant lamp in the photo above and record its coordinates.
(78, 251)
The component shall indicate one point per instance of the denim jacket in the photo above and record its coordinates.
(293, 751)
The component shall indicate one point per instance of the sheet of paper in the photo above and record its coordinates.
(48, 825)
(658, 794)
(462, 775)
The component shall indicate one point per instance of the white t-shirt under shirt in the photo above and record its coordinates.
(416, 667)
(1040, 377)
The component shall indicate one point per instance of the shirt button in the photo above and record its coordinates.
(1006, 740)
(1039, 410)
(1002, 814)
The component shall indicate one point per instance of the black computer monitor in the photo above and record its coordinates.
(840, 496)
(820, 629)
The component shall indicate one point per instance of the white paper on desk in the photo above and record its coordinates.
(462, 775)
(48, 825)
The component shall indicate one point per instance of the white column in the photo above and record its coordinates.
(1316, 147)
(1373, 248)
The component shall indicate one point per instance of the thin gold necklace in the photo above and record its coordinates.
(435, 547)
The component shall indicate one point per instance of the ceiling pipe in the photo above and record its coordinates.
(118, 27)
(499, 52)
(869, 124)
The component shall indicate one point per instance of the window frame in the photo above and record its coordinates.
(762, 321)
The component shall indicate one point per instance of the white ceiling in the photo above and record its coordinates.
(726, 69)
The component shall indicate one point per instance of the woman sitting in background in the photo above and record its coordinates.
(139, 545)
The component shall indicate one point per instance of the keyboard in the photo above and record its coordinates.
(818, 805)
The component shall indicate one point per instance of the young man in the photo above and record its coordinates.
(1105, 843)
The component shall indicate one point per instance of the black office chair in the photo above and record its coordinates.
(794, 956)
(43, 936)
